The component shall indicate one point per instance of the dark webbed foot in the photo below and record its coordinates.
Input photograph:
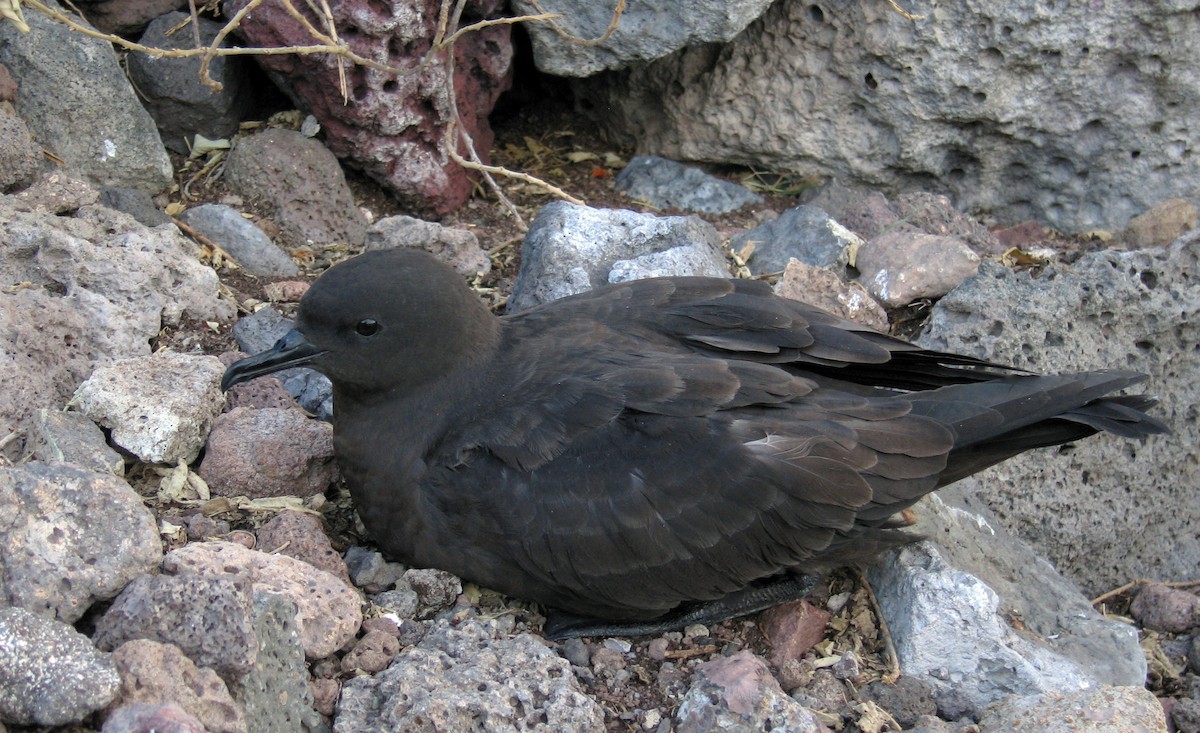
(560, 625)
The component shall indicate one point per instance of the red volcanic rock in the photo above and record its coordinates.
(392, 127)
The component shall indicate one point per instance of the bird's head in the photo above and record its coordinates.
(382, 321)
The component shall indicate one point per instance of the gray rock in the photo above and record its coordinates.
(804, 233)
(302, 184)
(570, 249)
(646, 31)
(274, 693)
(260, 330)
(402, 602)
(907, 699)
(50, 674)
(78, 103)
(903, 266)
(20, 156)
(1015, 110)
(368, 567)
(137, 204)
(175, 95)
(159, 407)
(666, 184)
(240, 237)
(268, 452)
(738, 693)
(1186, 715)
(1129, 310)
(1052, 610)
(458, 247)
(689, 260)
(1098, 710)
(949, 630)
(70, 537)
(101, 287)
(209, 618)
(457, 676)
(70, 437)
(56, 193)
(435, 589)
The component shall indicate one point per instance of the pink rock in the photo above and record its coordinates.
(263, 392)
(902, 266)
(8, 87)
(869, 215)
(373, 653)
(286, 291)
(740, 677)
(822, 288)
(381, 623)
(160, 718)
(325, 695)
(1162, 224)
(328, 611)
(1021, 235)
(1162, 608)
(393, 127)
(793, 629)
(300, 535)
(152, 672)
(269, 452)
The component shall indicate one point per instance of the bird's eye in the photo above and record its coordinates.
(367, 327)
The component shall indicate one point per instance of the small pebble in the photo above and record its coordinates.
(618, 645)
(657, 648)
(651, 719)
(694, 631)
(411, 632)
(837, 602)
(576, 652)
(200, 527)
(381, 623)
(243, 538)
(847, 668)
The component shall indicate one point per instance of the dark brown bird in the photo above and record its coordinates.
(654, 452)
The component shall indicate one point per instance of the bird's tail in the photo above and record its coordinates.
(998, 419)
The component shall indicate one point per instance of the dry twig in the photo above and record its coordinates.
(1142, 581)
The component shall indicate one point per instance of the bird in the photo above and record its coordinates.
(657, 452)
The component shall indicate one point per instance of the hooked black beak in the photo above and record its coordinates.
(290, 351)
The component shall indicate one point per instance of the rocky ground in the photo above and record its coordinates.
(196, 564)
(827, 654)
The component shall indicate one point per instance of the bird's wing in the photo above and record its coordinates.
(682, 347)
(650, 474)
(652, 510)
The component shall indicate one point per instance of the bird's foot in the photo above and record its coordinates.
(561, 625)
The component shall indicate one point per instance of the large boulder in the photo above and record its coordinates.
(1078, 114)
(1105, 509)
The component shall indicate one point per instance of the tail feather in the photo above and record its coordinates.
(996, 420)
